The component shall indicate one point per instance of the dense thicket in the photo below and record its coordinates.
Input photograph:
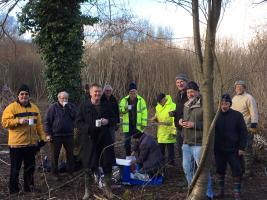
(152, 63)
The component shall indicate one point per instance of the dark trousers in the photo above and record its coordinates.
(55, 147)
(17, 156)
(127, 143)
(234, 160)
(179, 142)
(170, 149)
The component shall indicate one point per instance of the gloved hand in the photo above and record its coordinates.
(253, 127)
(41, 143)
(117, 127)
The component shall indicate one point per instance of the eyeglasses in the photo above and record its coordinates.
(24, 94)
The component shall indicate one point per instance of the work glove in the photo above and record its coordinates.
(253, 128)
(40, 144)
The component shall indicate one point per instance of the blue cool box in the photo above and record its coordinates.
(125, 170)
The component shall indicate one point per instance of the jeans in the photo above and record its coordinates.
(191, 157)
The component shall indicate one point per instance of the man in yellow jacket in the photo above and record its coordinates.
(25, 136)
(166, 129)
(134, 115)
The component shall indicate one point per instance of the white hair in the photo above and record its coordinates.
(107, 87)
(63, 93)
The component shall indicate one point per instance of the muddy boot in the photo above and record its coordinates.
(86, 186)
(237, 188)
(107, 186)
(220, 181)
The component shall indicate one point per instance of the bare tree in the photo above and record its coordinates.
(204, 72)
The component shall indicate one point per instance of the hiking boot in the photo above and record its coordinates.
(107, 186)
(219, 195)
(54, 177)
(237, 196)
(86, 186)
(237, 187)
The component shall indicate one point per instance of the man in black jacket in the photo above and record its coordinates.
(181, 81)
(59, 125)
(108, 98)
(230, 142)
(93, 122)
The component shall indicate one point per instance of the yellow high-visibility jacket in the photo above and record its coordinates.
(141, 121)
(166, 132)
(18, 134)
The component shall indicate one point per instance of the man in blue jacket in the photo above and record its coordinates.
(230, 143)
(59, 125)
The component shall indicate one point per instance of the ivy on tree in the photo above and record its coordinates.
(57, 29)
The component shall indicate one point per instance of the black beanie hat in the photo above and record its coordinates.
(132, 86)
(160, 97)
(23, 87)
(227, 98)
(192, 85)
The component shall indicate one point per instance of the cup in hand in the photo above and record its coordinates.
(130, 107)
(31, 122)
(98, 123)
(65, 103)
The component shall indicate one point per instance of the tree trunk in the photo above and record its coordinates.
(198, 187)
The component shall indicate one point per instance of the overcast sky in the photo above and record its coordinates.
(240, 22)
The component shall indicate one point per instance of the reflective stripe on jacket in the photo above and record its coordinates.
(166, 133)
(18, 134)
(141, 121)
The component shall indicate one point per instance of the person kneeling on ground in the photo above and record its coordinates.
(148, 154)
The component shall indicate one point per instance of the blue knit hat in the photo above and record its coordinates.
(132, 86)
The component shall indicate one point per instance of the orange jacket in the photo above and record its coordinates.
(22, 134)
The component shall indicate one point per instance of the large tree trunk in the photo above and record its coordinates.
(198, 188)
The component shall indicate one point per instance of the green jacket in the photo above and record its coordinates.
(141, 121)
(193, 112)
(166, 133)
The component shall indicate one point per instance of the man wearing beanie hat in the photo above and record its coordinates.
(229, 146)
(25, 88)
(192, 131)
(166, 133)
(110, 99)
(181, 97)
(246, 104)
(25, 135)
(134, 115)
(148, 154)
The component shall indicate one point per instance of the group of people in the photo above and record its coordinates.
(98, 118)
